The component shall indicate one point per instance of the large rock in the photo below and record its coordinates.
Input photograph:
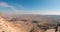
(50, 30)
(6, 26)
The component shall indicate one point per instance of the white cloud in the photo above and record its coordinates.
(3, 4)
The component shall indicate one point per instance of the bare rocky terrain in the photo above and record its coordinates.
(29, 23)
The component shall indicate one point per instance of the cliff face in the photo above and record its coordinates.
(3, 26)
(6, 26)
(19, 26)
(22, 26)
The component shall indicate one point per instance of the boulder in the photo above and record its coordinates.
(50, 30)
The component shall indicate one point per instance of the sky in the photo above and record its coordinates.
(43, 7)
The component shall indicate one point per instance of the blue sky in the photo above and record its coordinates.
(30, 7)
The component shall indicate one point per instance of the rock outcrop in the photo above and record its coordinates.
(50, 30)
(20, 26)
(6, 26)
